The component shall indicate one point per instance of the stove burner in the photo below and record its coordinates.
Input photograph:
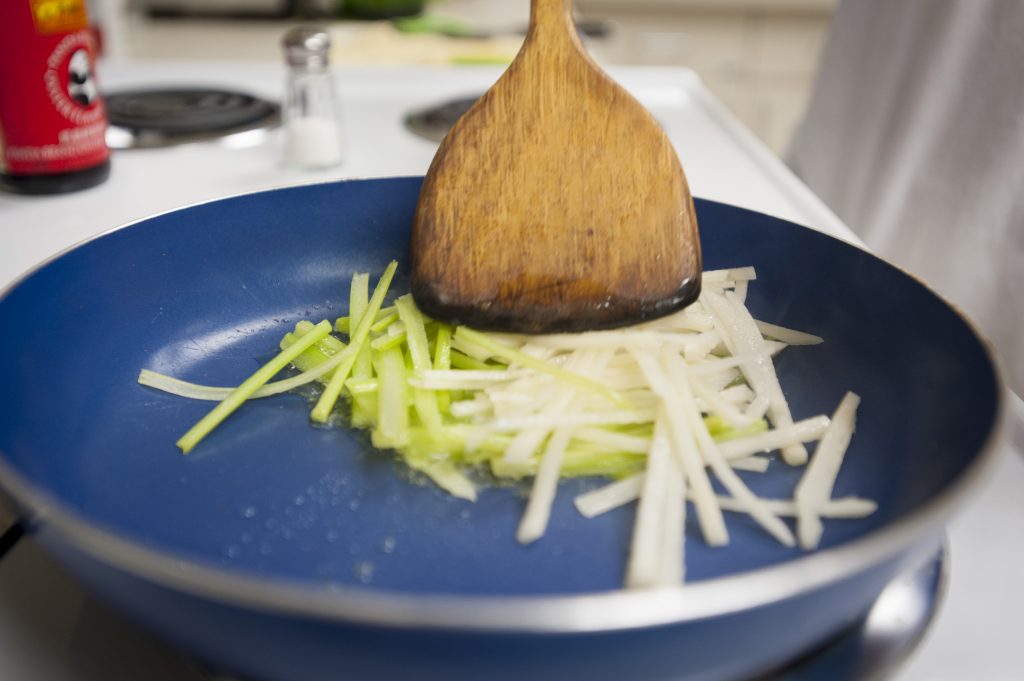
(434, 123)
(164, 117)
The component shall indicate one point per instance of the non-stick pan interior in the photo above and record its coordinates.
(206, 292)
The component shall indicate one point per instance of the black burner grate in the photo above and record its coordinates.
(160, 117)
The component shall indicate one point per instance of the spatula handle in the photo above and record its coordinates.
(550, 14)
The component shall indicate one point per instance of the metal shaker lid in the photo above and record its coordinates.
(306, 46)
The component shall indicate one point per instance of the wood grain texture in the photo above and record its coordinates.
(556, 202)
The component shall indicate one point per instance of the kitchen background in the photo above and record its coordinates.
(758, 57)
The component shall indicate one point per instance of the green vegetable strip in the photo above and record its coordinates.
(576, 463)
(201, 429)
(392, 400)
(447, 477)
(323, 407)
(329, 344)
(521, 358)
(388, 342)
(443, 347)
(415, 331)
(470, 349)
(461, 361)
(310, 357)
(580, 462)
(361, 386)
(358, 301)
(384, 322)
(344, 324)
(326, 347)
(364, 407)
(358, 297)
(425, 401)
(362, 415)
(443, 361)
(721, 430)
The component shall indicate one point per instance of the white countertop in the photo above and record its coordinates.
(50, 629)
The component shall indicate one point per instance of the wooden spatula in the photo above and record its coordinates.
(556, 203)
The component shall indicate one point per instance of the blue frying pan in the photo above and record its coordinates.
(282, 551)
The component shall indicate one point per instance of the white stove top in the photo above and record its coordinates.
(50, 629)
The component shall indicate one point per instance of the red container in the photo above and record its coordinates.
(52, 119)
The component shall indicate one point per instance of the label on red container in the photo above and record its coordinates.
(52, 119)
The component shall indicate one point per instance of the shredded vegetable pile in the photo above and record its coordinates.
(661, 409)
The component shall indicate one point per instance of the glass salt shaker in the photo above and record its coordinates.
(312, 126)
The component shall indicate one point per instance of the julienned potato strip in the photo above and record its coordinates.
(660, 408)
